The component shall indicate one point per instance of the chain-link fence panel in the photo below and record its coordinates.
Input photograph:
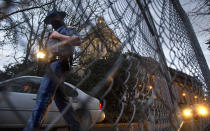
(139, 60)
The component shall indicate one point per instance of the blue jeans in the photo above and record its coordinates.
(48, 90)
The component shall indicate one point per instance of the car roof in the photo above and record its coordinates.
(37, 80)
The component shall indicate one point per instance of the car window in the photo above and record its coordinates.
(31, 85)
(21, 85)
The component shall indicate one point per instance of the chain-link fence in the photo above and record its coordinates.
(140, 58)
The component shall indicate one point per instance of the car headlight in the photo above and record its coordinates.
(187, 113)
(202, 110)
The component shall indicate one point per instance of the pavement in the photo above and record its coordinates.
(109, 127)
(97, 127)
(121, 127)
(191, 125)
(187, 126)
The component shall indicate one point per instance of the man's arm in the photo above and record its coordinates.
(73, 40)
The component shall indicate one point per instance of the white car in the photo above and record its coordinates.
(18, 97)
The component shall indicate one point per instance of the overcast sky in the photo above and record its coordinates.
(199, 23)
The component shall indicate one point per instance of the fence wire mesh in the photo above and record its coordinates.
(139, 58)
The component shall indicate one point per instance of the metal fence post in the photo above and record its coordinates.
(163, 66)
(194, 42)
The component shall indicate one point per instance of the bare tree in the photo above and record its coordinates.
(23, 25)
(200, 13)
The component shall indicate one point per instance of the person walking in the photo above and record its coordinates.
(59, 63)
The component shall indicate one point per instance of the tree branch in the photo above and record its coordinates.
(18, 11)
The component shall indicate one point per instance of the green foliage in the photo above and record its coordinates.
(98, 71)
(20, 69)
(114, 98)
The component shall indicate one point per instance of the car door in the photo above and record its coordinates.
(17, 101)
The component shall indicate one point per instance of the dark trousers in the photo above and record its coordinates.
(49, 90)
